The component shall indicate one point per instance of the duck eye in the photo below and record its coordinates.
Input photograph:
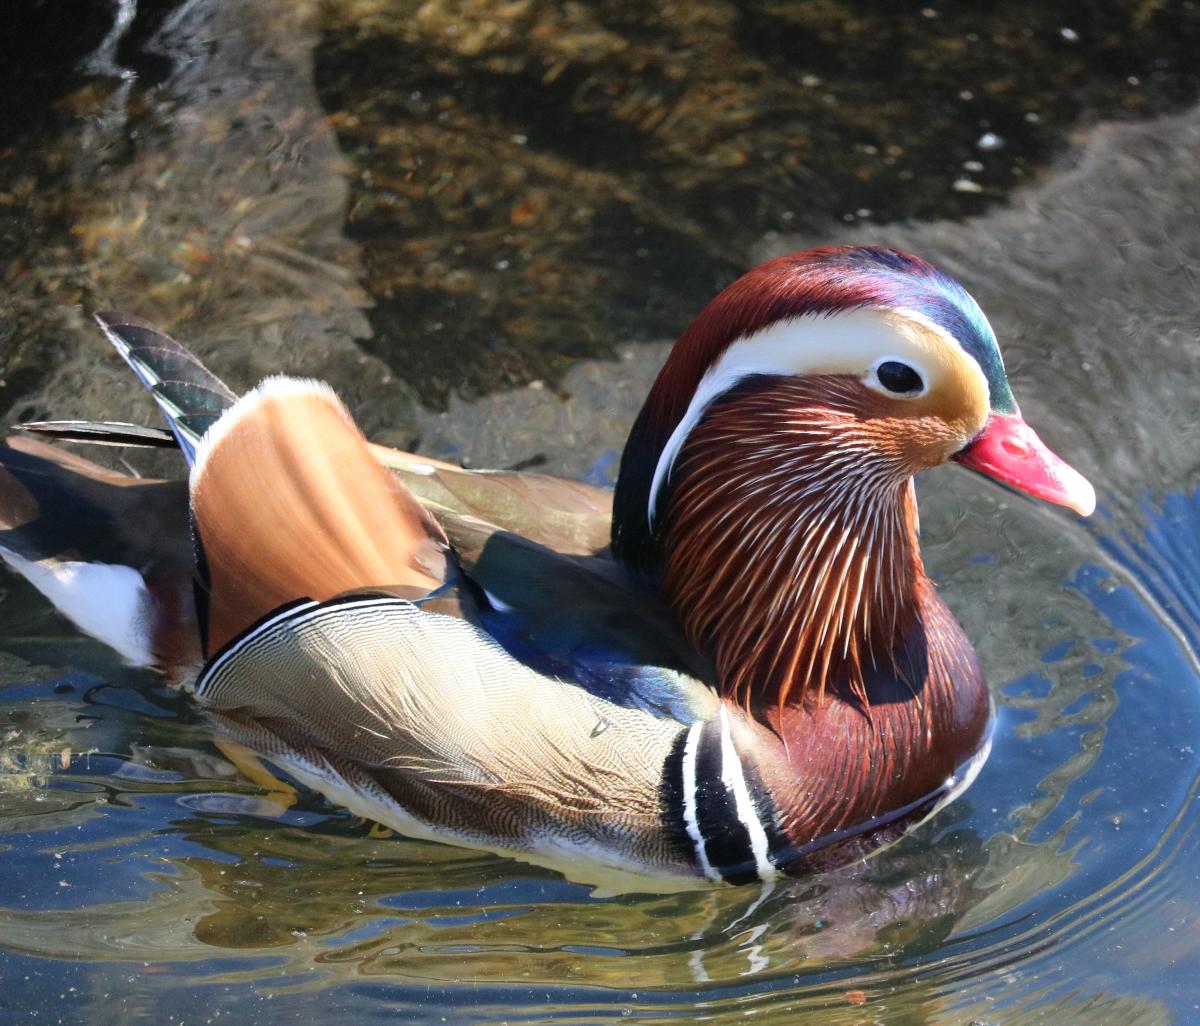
(899, 377)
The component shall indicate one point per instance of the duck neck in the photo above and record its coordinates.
(790, 550)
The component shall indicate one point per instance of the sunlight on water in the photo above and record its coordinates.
(146, 880)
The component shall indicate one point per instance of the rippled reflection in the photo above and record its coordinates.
(145, 879)
(1073, 844)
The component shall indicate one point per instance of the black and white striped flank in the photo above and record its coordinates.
(718, 806)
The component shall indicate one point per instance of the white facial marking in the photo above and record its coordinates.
(854, 342)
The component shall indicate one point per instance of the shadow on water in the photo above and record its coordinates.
(526, 184)
(270, 185)
(556, 181)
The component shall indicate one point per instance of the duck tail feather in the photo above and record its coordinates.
(112, 553)
(102, 432)
(190, 396)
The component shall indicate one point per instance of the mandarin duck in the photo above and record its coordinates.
(730, 668)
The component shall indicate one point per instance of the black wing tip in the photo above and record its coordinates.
(101, 433)
(111, 320)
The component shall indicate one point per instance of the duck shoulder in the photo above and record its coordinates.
(568, 516)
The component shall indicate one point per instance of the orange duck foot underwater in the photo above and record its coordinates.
(732, 668)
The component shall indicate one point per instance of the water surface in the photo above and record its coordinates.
(333, 189)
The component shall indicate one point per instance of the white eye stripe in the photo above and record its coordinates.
(842, 343)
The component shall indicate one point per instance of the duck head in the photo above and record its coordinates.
(766, 486)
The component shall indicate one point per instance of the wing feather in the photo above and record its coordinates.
(190, 396)
(469, 740)
(568, 516)
(289, 502)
